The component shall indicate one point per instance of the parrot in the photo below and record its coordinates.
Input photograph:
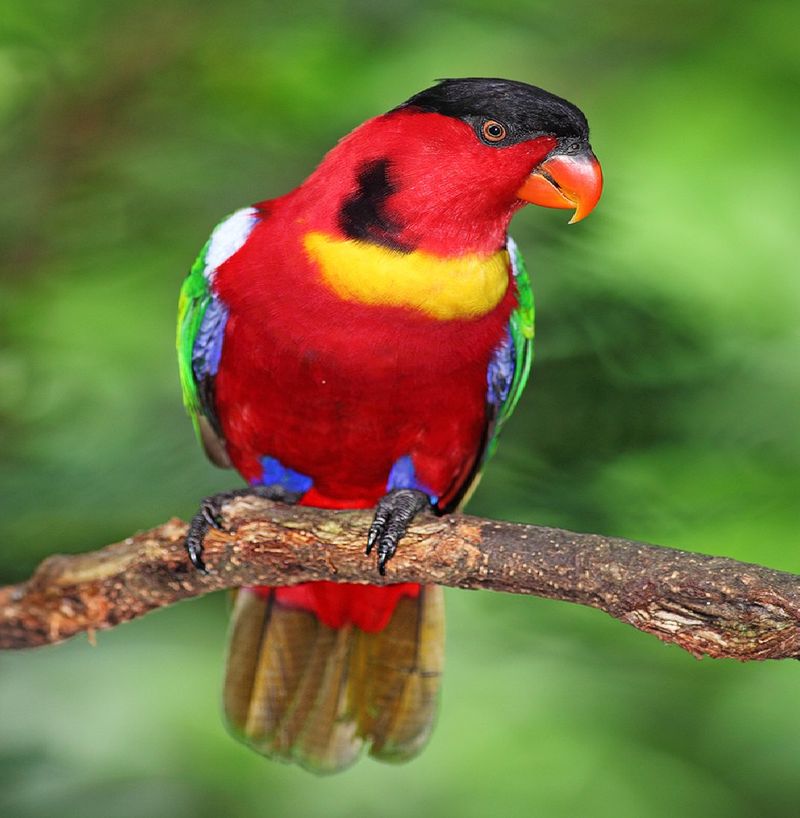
(360, 342)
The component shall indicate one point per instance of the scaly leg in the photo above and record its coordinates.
(393, 514)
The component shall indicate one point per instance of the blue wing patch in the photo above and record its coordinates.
(500, 374)
(511, 362)
(207, 349)
(507, 372)
(201, 329)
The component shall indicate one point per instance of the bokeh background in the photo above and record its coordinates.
(663, 406)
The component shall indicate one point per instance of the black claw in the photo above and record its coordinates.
(376, 529)
(211, 512)
(385, 553)
(195, 552)
(194, 540)
(209, 515)
(393, 514)
(198, 528)
(372, 538)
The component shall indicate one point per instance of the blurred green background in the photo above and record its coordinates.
(664, 402)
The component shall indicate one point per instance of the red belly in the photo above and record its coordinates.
(339, 392)
(342, 407)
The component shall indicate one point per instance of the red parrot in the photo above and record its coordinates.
(358, 342)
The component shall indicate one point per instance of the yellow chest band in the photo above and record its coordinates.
(464, 287)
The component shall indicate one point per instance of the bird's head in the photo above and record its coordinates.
(447, 169)
(529, 145)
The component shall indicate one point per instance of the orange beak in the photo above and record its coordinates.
(573, 181)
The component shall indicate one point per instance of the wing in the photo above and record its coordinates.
(506, 376)
(202, 317)
(511, 363)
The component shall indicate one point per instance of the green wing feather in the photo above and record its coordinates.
(521, 326)
(515, 358)
(200, 332)
(194, 300)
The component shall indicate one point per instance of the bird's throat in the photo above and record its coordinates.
(466, 286)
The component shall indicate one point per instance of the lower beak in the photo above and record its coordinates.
(566, 181)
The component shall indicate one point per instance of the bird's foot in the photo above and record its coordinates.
(393, 514)
(209, 516)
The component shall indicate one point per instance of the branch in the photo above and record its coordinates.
(707, 605)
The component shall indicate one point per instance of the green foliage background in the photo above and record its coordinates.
(663, 406)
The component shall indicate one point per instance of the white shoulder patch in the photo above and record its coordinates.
(513, 254)
(228, 237)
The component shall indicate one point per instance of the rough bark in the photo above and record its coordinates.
(709, 606)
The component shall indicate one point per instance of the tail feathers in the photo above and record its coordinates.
(298, 690)
(402, 669)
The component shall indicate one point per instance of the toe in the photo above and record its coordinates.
(386, 550)
(195, 557)
(211, 513)
(393, 514)
(194, 542)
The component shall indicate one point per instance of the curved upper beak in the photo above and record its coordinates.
(573, 181)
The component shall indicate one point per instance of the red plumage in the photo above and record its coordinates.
(343, 388)
(368, 607)
(339, 390)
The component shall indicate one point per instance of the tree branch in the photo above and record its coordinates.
(707, 605)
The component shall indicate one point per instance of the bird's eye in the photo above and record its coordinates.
(493, 131)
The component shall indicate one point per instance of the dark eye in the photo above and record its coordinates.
(493, 131)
